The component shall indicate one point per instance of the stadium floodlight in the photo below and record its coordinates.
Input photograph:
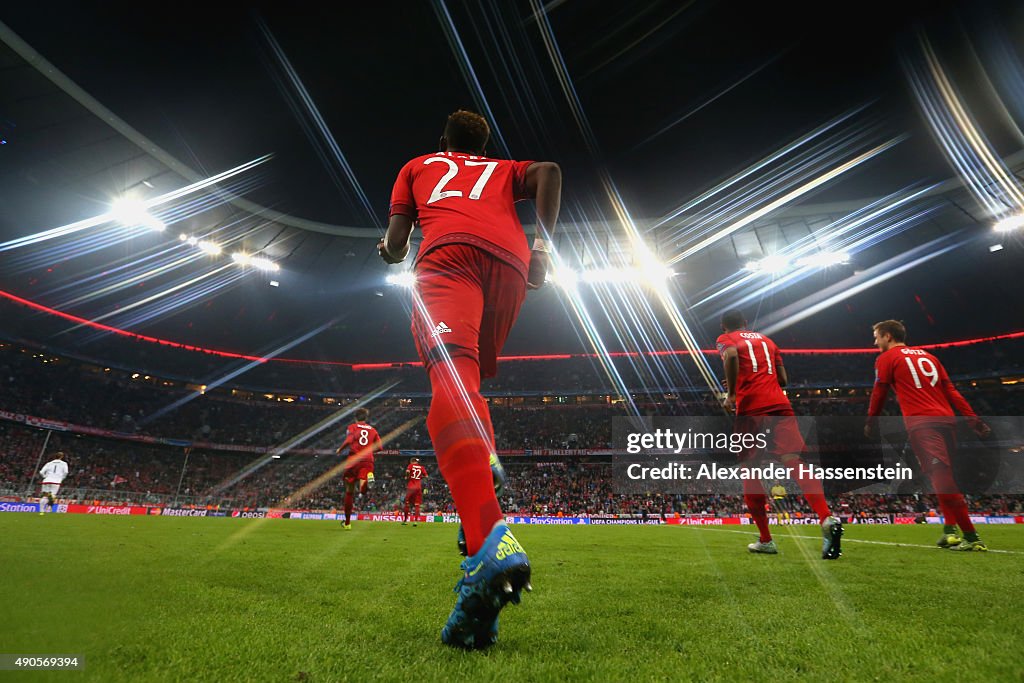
(183, 237)
(824, 259)
(209, 247)
(258, 262)
(568, 278)
(405, 278)
(261, 263)
(131, 212)
(1009, 224)
(994, 248)
(776, 263)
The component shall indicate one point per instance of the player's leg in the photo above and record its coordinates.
(933, 447)
(753, 492)
(753, 496)
(350, 487)
(405, 508)
(950, 533)
(450, 285)
(448, 305)
(463, 449)
(788, 443)
(417, 500)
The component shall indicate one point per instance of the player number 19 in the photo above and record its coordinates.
(440, 193)
(929, 371)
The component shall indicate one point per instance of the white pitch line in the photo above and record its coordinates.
(847, 540)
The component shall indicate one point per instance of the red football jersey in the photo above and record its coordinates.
(923, 389)
(457, 197)
(415, 473)
(362, 440)
(757, 385)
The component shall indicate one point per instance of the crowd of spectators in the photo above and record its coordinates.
(542, 482)
(568, 484)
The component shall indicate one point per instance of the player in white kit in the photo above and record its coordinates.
(53, 474)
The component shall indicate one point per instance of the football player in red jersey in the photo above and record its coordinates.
(472, 272)
(755, 376)
(362, 441)
(926, 397)
(415, 473)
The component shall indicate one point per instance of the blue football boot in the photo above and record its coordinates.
(493, 577)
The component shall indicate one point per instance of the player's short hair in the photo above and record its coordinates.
(894, 328)
(59, 455)
(415, 459)
(733, 319)
(362, 414)
(467, 131)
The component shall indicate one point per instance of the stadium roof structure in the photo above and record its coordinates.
(915, 251)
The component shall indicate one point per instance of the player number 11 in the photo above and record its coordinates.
(753, 358)
(440, 193)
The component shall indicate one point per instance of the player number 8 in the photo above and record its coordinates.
(364, 437)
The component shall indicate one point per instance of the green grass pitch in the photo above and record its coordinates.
(161, 599)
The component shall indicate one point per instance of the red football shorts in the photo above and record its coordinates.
(414, 496)
(466, 300)
(783, 436)
(357, 473)
(933, 445)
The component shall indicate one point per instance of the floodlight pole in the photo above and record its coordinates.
(188, 450)
(31, 482)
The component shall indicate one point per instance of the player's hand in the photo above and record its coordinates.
(982, 430)
(383, 253)
(539, 262)
(869, 429)
(729, 402)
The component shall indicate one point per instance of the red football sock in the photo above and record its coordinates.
(405, 513)
(417, 510)
(813, 491)
(948, 511)
(951, 501)
(753, 496)
(463, 445)
(348, 507)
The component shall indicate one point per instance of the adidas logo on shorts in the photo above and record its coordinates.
(440, 329)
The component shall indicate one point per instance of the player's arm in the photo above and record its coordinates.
(543, 183)
(395, 245)
(957, 400)
(731, 362)
(780, 370)
(347, 443)
(879, 393)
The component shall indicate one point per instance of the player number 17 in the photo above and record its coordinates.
(440, 193)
